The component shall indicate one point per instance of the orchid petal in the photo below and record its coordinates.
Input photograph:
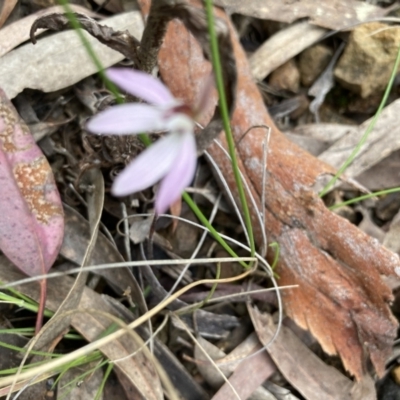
(180, 174)
(149, 166)
(127, 119)
(141, 85)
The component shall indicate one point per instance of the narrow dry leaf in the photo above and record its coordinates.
(16, 33)
(301, 367)
(313, 146)
(382, 141)
(37, 66)
(325, 132)
(248, 375)
(332, 14)
(282, 47)
(341, 298)
(211, 375)
(383, 175)
(245, 374)
(31, 223)
(76, 240)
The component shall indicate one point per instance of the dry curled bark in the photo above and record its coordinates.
(341, 298)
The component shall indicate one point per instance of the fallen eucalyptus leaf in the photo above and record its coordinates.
(16, 33)
(381, 142)
(38, 66)
(301, 367)
(282, 47)
(332, 14)
(31, 223)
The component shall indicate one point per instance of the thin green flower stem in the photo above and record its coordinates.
(226, 122)
(364, 197)
(143, 137)
(370, 127)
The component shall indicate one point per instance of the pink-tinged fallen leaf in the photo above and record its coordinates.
(31, 215)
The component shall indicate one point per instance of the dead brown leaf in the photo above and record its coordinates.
(301, 367)
(249, 374)
(332, 14)
(282, 47)
(383, 175)
(382, 141)
(341, 298)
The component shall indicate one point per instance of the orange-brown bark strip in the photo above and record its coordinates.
(341, 298)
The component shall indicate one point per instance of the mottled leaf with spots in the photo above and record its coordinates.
(31, 216)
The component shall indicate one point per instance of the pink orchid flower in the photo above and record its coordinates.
(171, 158)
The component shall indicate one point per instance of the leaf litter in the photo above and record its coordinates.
(325, 257)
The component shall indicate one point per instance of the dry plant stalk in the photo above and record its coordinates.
(341, 298)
